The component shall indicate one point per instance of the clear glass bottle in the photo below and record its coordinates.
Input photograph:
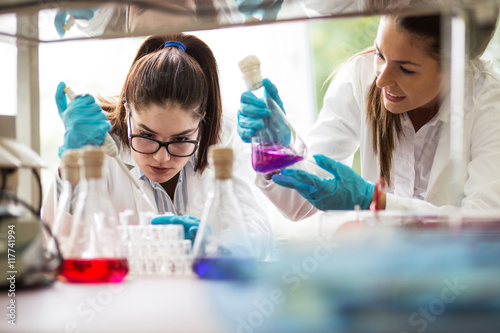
(96, 252)
(278, 144)
(70, 176)
(222, 248)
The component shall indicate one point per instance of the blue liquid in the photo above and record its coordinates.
(224, 268)
(270, 158)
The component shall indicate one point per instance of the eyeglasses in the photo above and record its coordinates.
(145, 145)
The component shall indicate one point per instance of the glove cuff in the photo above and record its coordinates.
(368, 195)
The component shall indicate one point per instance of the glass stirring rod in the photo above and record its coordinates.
(111, 149)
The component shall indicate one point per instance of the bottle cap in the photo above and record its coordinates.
(250, 69)
(71, 166)
(222, 160)
(93, 160)
(249, 63)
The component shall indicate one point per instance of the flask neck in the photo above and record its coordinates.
(96, 186)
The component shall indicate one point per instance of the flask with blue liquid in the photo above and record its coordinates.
(222, 248)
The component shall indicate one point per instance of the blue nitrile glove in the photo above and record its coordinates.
(84, 121)
(190, 223)
(254, 115)
(267, 9)
(62, 16)
(341, 192)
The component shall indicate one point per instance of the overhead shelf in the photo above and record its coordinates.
(113, 19)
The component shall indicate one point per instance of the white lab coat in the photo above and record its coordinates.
(126, 197)
(341, 128)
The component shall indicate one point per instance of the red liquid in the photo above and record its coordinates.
(94, 270)
(270, 158)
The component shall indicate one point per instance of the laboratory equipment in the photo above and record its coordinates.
(277, 145)
(159, 250)
(112, 150)
(27, 262)
(70, 175)
(222, 247)
(96, 252)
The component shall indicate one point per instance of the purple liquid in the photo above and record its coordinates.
(224, 268)
(270, 158)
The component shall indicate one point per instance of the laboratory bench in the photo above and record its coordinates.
(357, 275)
(138, 304)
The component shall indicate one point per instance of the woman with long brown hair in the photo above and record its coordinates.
(391, 103)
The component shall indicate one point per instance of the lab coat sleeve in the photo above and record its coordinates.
(334, 134)
(482, 185)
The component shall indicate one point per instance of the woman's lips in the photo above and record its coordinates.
(393, 97)
(159, 171)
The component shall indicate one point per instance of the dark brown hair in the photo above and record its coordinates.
(170, 76)
(386, 126)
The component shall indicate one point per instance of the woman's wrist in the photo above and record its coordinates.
(378, 201)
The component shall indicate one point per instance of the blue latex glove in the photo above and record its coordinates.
(84, 121)
(341, 192)
(254, 115)
(63, 15)
(267, 9)
(190, 223)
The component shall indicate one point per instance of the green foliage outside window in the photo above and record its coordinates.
(333, 42)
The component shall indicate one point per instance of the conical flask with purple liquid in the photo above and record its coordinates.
(277, 145)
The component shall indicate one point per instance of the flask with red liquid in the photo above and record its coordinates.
(222, 248)
(277, 145)
(95, 251)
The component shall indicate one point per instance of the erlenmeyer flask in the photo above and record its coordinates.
(70, 175)
(95, 252)
(222, 247)
(278, 144)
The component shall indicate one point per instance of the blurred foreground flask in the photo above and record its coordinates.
(95, 251)
(70, 175)
(277, 145)
(222, 247)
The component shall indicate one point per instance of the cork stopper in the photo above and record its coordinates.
(250, 70)
(222, 160)
(71, 166)
(93, 161)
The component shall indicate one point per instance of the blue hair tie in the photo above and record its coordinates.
(176, 44)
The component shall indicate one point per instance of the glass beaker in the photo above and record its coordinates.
(277, 145)
(96, 252)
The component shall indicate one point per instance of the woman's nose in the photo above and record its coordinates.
(162, 155)
(384, 76)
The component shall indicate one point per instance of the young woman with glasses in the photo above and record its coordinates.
(167, 115)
